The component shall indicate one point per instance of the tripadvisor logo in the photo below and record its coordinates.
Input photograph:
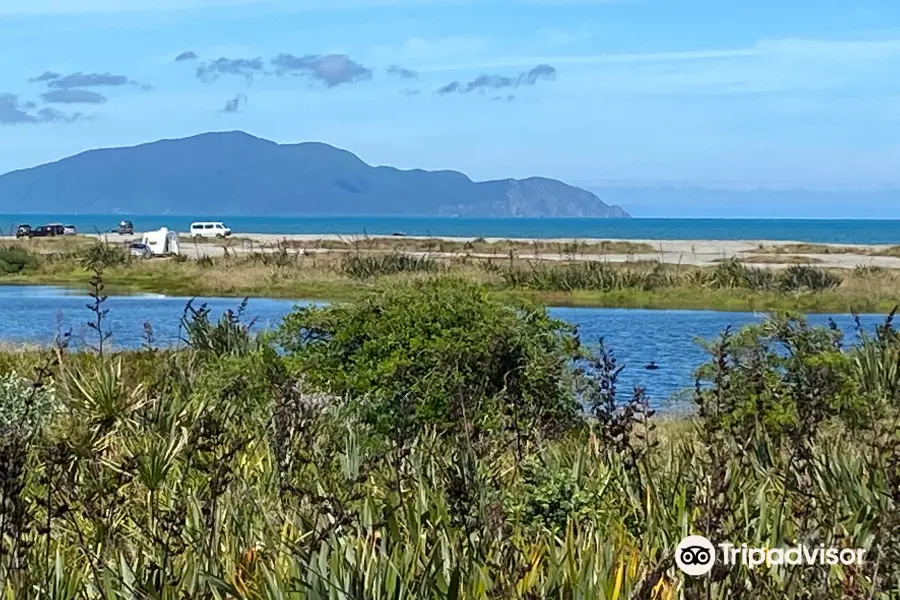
(696, 556)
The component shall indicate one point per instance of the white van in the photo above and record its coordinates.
(209, 229)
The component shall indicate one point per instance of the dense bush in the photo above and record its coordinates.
(16, 260)
(779, 373)
(212, 471)
(437, 353)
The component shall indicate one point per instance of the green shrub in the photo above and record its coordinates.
(24, 407)
(550, 497)
(804, 277)
(16, 260)
(436, 353)
(772, 376)
(102, 256)
(229, 336)
(361, 266)
(732, 273)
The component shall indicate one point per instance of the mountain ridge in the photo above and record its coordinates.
(237, 173)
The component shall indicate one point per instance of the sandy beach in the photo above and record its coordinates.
(762, 253)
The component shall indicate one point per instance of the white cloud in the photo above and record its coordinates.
(67, 7)
(794, 49)
(771, 66)
(71, 7)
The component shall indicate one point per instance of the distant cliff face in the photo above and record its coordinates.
(236, 174)
(536, 196)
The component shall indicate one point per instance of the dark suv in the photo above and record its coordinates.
(23, 230)
(48, 230)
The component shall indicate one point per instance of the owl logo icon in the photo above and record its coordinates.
(695, 555)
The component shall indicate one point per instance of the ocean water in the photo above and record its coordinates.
(838, 231)
(30, 314)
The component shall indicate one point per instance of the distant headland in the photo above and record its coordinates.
(235, 173)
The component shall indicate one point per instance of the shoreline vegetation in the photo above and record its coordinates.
(429, 441)
(557, 273)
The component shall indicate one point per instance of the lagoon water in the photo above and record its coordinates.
(31, 314)
(838, 231)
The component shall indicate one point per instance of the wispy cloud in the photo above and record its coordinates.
(796, 49)
(83, 80)
(15, 112)
(247, 68)
(450, 88)
(402, 73)
(186, 55)
(236, 104)
(45, 76)
(73, 96)
(70, 7)
(330, 69)
(483, 82)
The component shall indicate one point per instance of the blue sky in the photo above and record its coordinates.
(788, 93)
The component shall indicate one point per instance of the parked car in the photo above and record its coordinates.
(209, 229)
(140, 250)
(70, 230)
(125, 228)
(23, 230)
(51, 230)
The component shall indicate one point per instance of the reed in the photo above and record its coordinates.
(218, 469)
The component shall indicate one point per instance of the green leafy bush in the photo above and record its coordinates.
(16, 260)
(774, 376)
(24, 407)
(436, 353)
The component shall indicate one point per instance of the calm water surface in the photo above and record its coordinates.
(35, 314)
(839, 231)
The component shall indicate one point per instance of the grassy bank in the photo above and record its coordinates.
(806, 248)
(285, 273)
(500, 248)
(431, 443)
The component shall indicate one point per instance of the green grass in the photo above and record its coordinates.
(727, 287)
(696, 298)
(685, 298)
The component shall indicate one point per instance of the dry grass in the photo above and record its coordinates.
(828, 249)
(439, 245)
(53, 245)
(776, 259)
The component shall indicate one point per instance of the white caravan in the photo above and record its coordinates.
(209, 229)
(161, 242)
